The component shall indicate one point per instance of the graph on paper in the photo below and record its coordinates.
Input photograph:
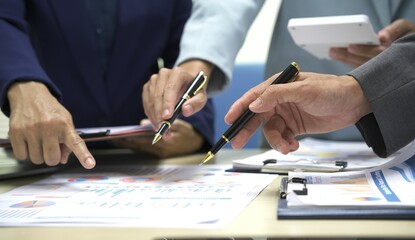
(169, 196)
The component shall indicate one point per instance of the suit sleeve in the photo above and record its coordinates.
(388, 81)
(18, 61)
(215, 32)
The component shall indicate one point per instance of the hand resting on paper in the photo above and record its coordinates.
(184, 140)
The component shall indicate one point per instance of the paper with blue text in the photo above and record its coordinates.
(389, 185)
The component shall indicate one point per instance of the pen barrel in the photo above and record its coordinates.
(164, 128)
(167, 124)
(177, 110)
(238, 124)
(232, 130)
(218, 145)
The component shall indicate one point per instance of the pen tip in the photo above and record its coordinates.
(157, 137)
(208, 156)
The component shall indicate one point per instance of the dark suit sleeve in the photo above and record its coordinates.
(203, 122)
(18, 60)
(388, 81)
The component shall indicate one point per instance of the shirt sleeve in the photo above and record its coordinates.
(214, 33)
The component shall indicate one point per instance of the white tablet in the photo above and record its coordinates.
(318, 34)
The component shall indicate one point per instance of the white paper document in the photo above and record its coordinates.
(182, 196)
(315, 156)
(391, 184)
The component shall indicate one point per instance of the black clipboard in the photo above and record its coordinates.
(284, 212)
(104, 133)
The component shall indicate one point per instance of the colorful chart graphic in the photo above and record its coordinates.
(139, 179)
(205, 174)
(314, 155)
(366, 199)
(88, 179)
(33, 204)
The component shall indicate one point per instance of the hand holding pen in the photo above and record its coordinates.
(289, 73)
(313, 103)
(193, 89)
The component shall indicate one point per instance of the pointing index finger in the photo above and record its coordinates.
(79, 148)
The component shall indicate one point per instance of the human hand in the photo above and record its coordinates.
(162, 92)
(314, 103)
(357, 54)
(184, 140)
(42, 129)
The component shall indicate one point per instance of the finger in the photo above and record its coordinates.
(241, 105)
(164, 85)
(156, 91)
(395, 30)
(78, 147)
(51, 150)
(178, 125)
(275, 133)
(148, 99)
(344, 56)
(65, 153)
(145, 121)
(275, 95)
(174, 87)
(167, 136)
(19, 146)
(195, 104)
(243, 136)
(363, 53)
(35, 150)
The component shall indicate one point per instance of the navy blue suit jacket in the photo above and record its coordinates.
(50, 41)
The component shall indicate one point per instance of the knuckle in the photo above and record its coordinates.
(77, 140)
(164, 70)
(37, 160)
(153, 77)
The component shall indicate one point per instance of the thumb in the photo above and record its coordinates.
(395, 30)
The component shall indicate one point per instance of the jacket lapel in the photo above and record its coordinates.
(81, 43)
(395, 7)
(382, 9)
(386, 10)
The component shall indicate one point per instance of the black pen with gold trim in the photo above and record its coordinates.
(289, 73)
(194, 88)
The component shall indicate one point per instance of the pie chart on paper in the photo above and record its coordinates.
(33, 204)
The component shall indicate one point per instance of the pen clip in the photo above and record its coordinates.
(202, 84)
